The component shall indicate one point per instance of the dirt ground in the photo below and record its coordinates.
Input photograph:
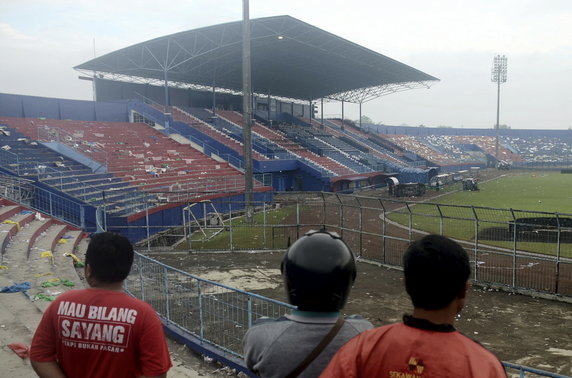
(520, 329)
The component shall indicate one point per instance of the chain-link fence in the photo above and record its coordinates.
(213, 313)
(516, 249)
(504, 245)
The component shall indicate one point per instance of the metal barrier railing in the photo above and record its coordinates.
(214, 313)
(217, 314)
(504, 251)
(523, 371)
(26, 193)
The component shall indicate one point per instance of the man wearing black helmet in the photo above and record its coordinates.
(426, 344)
(318, 270)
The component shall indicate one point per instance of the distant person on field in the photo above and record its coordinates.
(426, 344)
(101, 331)
(319, 270)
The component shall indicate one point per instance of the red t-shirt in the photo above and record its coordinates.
(101, 333)
(402, 351)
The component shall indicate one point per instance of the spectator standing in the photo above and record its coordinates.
(318, 270)
(426, 344)
(101, 331)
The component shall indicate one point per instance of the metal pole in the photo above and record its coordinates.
(166, 80)
(342, 114)
(360, 116)
(247, 110)
(497, 128)
(166, 294)
(214, 103)
(322, 111)
(268, 106)
(166, 110)
(147, 224)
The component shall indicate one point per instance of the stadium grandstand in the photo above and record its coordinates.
(142, 143)
(165, 133)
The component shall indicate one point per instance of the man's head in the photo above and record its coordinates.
(319, 270)
(436, 272)
(109, 257)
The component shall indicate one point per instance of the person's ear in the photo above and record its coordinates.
(463, 291)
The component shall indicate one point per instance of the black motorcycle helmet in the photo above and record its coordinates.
(319, 270)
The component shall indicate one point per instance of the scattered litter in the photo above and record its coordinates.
(21, 349)
(3, 267)
(8, 221)
(43, 297)
(22, 286)
(68, 283)
(51, 283)
(57, 282)
(76, 261)
(42, 274)
(49, 255)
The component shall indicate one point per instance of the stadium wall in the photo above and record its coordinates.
(43, 107)
(142, 225)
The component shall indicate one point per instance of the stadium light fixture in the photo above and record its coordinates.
(498, 75)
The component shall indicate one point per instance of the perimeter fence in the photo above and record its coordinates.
(519, 250)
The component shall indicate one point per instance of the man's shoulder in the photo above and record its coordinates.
(265, 329)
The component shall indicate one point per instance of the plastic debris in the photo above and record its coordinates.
(43, 297)
(21, 349)
(51, 283)
(68, 283)
(76, 261)
(3, 267)
(8, 221)
(22, 286)
(49, 255)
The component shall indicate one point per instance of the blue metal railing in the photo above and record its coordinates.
(211, 317)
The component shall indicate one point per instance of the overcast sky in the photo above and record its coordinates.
(453, 40)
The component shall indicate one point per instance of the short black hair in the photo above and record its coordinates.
(436, 269)
(110, 257)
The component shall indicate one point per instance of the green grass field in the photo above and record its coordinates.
(544, 191)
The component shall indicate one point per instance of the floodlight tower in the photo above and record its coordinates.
(498, 76)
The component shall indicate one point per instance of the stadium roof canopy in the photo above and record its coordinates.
(289, 59)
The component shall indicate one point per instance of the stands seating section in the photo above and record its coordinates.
(139, 159)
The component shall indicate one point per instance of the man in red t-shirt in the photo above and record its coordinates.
(101, 331)
(426, 344)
